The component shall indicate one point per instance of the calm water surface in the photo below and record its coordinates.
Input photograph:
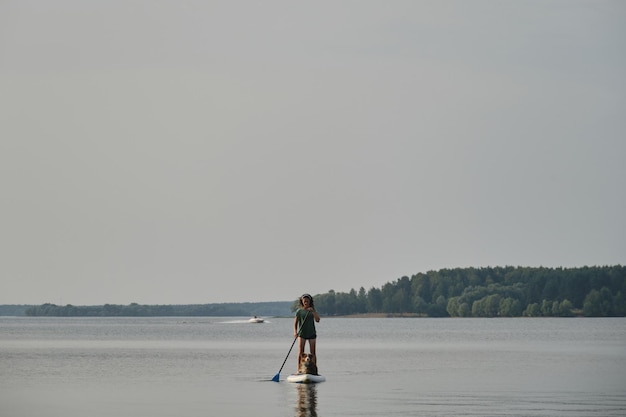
(70, 367)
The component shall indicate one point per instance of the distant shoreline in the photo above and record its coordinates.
(380, 316)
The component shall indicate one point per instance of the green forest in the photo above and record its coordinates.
(596, 291)
(489, 292)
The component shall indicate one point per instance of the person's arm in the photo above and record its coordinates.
(315, 315)
(295, 326)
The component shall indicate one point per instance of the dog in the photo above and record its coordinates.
(308, 364)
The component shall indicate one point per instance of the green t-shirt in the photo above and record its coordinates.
(306, 322)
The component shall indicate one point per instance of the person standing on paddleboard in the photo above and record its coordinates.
(304, 325)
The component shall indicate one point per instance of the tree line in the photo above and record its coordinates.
(596, 291)
(276, 308)
(13, 309)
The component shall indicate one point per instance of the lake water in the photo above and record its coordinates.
(178, 367)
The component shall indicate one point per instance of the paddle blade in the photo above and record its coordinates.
(276, 377)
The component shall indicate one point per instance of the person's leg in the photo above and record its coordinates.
(312, 344)
(312, 348)
(301, 343)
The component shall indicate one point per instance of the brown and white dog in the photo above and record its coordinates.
(308, 364)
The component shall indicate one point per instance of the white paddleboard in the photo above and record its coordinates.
(305, 378)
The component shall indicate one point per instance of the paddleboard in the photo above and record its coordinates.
(305, 378)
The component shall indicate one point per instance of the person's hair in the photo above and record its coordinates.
(306, 296)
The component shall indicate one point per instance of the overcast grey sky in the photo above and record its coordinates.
(217, 151)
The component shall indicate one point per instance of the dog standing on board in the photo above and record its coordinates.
(308, 364)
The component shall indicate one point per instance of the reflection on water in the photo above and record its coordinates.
(307, 400)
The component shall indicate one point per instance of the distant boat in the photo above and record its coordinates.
(256, 319)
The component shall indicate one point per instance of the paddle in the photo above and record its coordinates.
(277, 376)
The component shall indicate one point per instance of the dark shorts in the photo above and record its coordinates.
(309, 337)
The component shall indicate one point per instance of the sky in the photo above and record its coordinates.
(184, 152)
